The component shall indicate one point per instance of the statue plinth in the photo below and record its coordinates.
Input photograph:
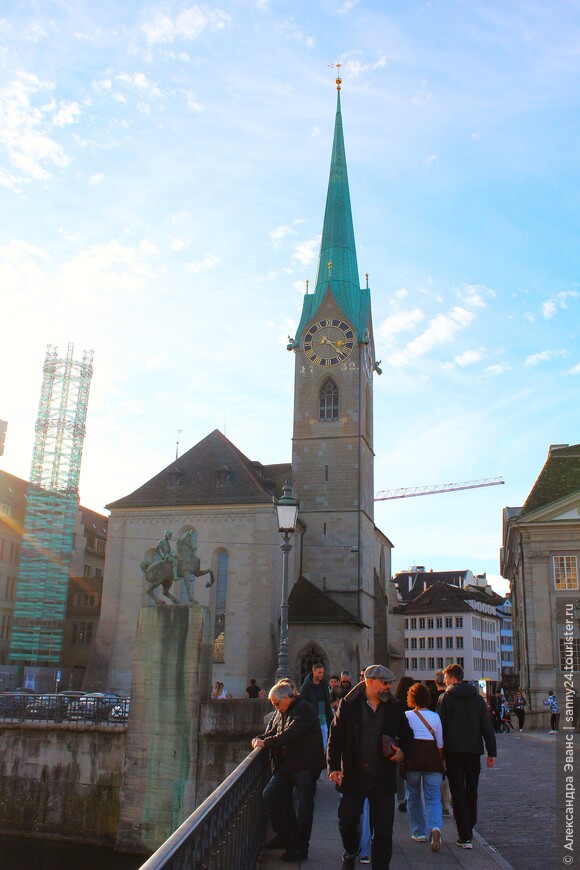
(171, 676)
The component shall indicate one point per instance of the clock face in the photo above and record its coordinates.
(368, 363)
(328, 342)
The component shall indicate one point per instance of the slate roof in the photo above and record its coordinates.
(13, 489)
(445, 598)
(559, 478)
(418, 578)
(213, 472)
(308, 604)
(94, 521)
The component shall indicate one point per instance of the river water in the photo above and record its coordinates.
(29, 853)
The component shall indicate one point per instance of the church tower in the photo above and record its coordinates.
(332, 450)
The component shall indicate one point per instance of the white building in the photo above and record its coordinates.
(446, 625)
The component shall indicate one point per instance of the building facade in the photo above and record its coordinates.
(540, 556)
(445, 625)
(341, 603)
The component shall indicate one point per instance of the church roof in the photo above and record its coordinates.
(213, 472)
(338, 248)
(308, 604)
(560, 477)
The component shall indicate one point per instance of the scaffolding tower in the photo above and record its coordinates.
(52, 500)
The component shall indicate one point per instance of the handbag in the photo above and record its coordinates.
(425, 755)
(389, 744)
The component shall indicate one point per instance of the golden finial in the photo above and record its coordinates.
(329, 267)
(307, 283)
(367, 277)
(337, 66)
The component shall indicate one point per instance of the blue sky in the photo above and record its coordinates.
(163, 171)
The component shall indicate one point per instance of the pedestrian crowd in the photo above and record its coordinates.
(414, 746)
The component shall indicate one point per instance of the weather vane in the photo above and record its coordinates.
(337, 66)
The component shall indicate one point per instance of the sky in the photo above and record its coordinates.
(163, 174)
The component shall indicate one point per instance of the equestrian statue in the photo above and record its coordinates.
(171, 567)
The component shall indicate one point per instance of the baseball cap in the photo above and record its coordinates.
(379, 672)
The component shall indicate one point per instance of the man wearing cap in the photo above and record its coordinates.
(359, 769)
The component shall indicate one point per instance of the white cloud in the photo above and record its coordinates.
(549, 309)
(474, 295)
(497, 369)
(281, 232)
(401, 321)
(544, 356)
(178, 245)
(25, 130)
(103, 271)
(429, 161)
(306, 252)
(467, 358)
(441, 330)
(207, 262)
(575, 370)
(188, 24)
(289, 28)
(140, 81)
(68, 113)
(95, 179)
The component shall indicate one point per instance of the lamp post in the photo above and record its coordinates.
(287, 511)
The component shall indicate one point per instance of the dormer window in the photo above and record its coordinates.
(174, 477)
(223, 475)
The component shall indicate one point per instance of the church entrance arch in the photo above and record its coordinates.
(306, 658)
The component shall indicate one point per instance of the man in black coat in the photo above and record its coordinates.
(316, 691)
(466, 726)
(358, 767)
(294, 739)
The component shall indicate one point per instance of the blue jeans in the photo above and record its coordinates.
(293, 826)
(365, 830)
(426, 812)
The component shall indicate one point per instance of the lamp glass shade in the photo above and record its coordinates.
(287, 510)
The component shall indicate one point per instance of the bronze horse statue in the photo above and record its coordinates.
(188, 563)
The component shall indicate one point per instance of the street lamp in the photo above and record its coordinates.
(287, 511)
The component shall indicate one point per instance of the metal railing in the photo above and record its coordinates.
(88, 709)
(227, 830)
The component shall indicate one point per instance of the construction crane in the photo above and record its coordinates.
(432, 489)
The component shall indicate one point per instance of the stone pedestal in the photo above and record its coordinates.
(171, 676)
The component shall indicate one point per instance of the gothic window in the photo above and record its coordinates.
(329, 400)
(221, 591)
(307, 658)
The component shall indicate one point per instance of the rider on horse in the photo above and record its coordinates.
(163, 549)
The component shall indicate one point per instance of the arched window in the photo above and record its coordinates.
(329, 400)
(221, 591)
(307, 657)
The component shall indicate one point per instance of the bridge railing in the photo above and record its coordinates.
(74, 707)
(227, 830)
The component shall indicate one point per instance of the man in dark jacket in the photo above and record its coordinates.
(466, 726)
(316, 691)
(295, 742)
(358, 767)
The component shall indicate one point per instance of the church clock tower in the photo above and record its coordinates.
(332, 448)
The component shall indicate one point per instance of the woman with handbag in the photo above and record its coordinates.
(423, 768)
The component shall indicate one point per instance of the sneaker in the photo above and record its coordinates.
(419, 839)
(364, 860)
(551, 732)
(348, 861)
(521, 729)
(465, 844)
(435, 840)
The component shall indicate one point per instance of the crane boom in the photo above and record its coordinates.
(432, 489)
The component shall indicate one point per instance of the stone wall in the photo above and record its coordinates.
(61, 781)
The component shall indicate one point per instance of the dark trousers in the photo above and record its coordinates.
(463, 775)
(521, 714)
(554, 721)
(382, 806)
(292, 825)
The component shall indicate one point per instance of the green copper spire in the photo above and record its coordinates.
(337, 264)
